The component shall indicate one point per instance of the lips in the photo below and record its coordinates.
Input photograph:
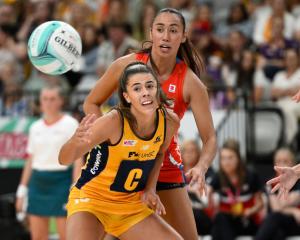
(148, 102)
(165, 48)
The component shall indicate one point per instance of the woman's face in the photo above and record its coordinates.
(228, 161)
(142, 93)
(167, 34)
(283, 159)
(51, 102)
(190, 155)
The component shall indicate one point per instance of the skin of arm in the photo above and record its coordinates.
(26, 174)
(195, 93)
(89, 134)
(172, 125)
(149, 195)
(106, 85)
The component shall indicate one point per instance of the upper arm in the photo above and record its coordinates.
(195, 94)
(172, 125)
(108, 83)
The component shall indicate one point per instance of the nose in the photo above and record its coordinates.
(166, 36)
(145, 92)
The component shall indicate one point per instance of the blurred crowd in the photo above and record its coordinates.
(238, 203)
(250, 47)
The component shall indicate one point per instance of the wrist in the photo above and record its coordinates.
(22, 191)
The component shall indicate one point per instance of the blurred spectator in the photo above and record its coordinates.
(283, 219)
(146, 17)
(285, 85)
(75, 12)
(270, 58)
(39, 80)
(186, 7)
(118, 44)
(10, 49)
(38, 13)
(237, 20)
(240, 81)
(8, 15)
(13, 103)
(202, 20)
(190, 156)
(240, 195)
(46, 181)
(264, 23)
(111, 11)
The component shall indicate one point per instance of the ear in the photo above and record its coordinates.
(184, 37)
(125, 95)
(150, 34)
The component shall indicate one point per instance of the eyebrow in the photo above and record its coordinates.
(135, 84)
(171, 25)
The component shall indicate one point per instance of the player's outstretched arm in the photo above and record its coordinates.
(286, 179)
(90, 132)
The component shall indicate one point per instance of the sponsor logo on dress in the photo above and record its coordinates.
(157, 140)
(141, 155)
(129, 142)
(97, 163)
(172, 88)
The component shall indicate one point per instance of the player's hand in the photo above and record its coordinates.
(196, 175)
(284, 182)
(19, 204)
(150, 198)
(296, 97)
(83, 131)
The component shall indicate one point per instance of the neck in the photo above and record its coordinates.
(164, 66)
(52, 118)
(145, 123)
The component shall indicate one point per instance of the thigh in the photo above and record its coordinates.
(61, 227)
(83, 226)
(152, 227)
(179, 212)
(38, 227)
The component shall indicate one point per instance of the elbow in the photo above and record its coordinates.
(62, 159)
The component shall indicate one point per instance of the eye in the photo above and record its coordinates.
(137, 88)
(150, 85)
(173, 30)
(160, 29)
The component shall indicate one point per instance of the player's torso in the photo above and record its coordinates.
(173, 87)
(117, 172)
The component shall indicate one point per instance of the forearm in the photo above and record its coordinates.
(91, 108)
(70, 152)
(26, 174)
(208, 152)
(153, 176)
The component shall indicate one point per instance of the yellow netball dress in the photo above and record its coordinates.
(110, 183)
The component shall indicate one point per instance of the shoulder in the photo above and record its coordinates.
(192, 78)
(37, 124)
(112, 119)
